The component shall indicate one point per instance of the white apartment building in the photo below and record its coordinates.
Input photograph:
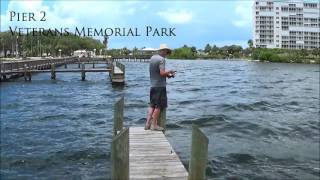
(290, 24)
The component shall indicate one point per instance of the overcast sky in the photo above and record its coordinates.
(197, 23)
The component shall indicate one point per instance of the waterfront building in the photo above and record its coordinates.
(290, 24)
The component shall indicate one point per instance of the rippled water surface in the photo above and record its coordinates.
(262, 120)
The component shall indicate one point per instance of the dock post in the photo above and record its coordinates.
(83, 73)
(120, 156)
(29, 75)
(199, 155)
(25, 72)
(92, 64)
(162, 118)
(118, 116)
(65, 64)
(53, 71)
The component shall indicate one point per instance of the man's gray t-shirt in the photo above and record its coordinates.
(157, 62)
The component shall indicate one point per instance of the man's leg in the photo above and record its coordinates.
(149, 116)
(155, 116)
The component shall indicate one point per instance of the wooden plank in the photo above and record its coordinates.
(152, 157)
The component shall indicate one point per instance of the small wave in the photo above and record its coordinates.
(10, 106)
(141, 120)
(53, 117)
(220, 86)
(277, 82)
(267, 132)
(88, 154)
(241, 158)
(308, 89)
(98, 122)
(265, 87)
(90, 115)
(172, 126)
(256, 106)
(237, 70)
(135, 105)
(186, 102)
(205, 121)
(291, 103)
(194, 89)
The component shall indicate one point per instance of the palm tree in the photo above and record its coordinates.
(250, 43)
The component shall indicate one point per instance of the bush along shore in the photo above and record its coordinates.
(251, 53)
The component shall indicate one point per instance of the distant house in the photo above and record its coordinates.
(147, 51)
(83, 53)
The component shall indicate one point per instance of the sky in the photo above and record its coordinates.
(196, 23)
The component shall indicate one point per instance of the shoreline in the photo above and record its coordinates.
(249, 60)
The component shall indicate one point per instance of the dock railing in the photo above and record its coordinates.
(120, 148)
(33, 64)
(120, 145)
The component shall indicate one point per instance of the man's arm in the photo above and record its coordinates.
(163, 71)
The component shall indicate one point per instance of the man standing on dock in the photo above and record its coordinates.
(158, 92)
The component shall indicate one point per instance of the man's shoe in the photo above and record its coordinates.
(158, 128)
(146, 127)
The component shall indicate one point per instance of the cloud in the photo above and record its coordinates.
(176, 16)
(244, 14)
(72, 13)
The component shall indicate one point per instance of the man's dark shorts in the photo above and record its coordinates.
(158, 97)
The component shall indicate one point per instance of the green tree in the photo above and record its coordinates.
(207, 48)
(250, 43)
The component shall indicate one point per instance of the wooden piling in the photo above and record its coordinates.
(92, 64)
(65, 64)
(120, 156)
(29, 75)
(199, 155)
(25, 72)
(162, 118)
(83, 73)
(118, 116)
(53, 71)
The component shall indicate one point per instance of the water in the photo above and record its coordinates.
(262, 120)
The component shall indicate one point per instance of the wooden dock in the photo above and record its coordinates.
(152, 157)
(26, 68)
(144, 154)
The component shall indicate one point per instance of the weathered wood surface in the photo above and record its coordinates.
(117, 70)
(120, 155)
(117, 73)
(152, 157)
(199, 155)
(118, 116)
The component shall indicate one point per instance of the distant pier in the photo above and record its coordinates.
(26, 68)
